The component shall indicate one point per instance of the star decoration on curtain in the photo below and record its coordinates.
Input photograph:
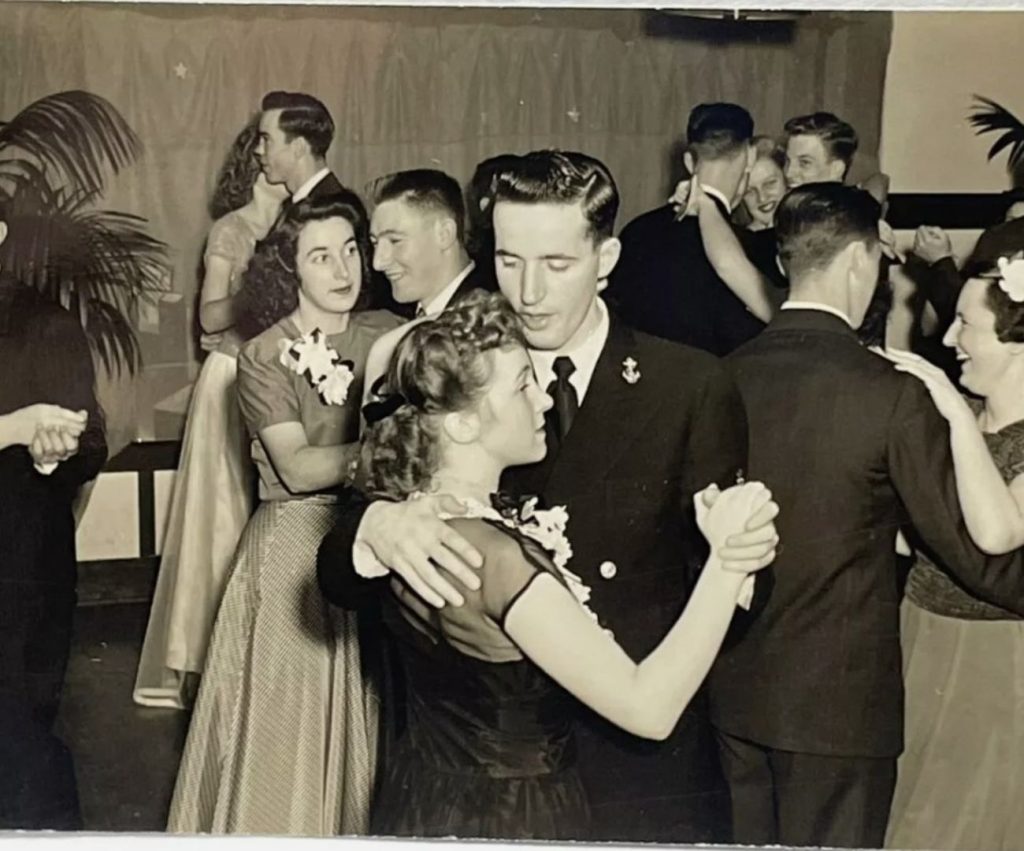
(181, 70)
(574, 115)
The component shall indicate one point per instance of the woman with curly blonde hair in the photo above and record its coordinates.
(488, 748)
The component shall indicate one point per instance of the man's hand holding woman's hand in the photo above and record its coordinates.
(739, 525)
(50, 432)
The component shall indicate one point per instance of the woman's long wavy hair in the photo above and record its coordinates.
(270, 286)
(238, 172)
(439, 367)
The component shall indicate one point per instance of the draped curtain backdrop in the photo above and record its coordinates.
(408, 87)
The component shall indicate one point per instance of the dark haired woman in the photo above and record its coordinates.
(283, 737)
(488, 748)
(213, 488)
(960, 782)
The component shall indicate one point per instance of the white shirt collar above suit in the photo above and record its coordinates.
(439, 302)
(815, 305)
(584, 357)
(303, 191)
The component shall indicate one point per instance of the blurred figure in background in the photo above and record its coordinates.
(213, 489)
(51, 443)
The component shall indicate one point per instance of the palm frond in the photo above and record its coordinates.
(90, 261)
(989, 117)
(112, 337)
(80, 136)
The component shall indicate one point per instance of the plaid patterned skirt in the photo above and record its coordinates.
(283, 738)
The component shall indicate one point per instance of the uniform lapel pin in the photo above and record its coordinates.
(630, 372)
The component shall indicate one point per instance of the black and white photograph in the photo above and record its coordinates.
(568, 423)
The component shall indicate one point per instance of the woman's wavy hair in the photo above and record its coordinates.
(1009, 325)
(238, 172)
(270, 286)
(437, 368)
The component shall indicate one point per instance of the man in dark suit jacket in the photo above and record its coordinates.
(665, 284)
(809, 701)
(418, 231)
(641, 425)
(295, 132)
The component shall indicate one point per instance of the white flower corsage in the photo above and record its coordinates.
(1011, 277)
(546, 527)
(312, 357)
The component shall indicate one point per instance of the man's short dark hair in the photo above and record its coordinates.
(482, 182)
(716, 131)
(302, 115)
(426, 189)
(838, 137)
(814, 222)
(563, 177)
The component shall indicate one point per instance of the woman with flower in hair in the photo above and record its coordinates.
(213, 488)
(283, 737)
(488, 749)
(960, 785)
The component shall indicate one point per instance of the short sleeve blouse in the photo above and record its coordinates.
(269, 393)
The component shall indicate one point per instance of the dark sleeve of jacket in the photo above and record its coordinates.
(942, 283)
(730, 399)
(716, 449)
(65, 370)
(762, 250)
(335, 571)
(717, 441)
(921, 467)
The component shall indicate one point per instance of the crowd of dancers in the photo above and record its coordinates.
(491, 521)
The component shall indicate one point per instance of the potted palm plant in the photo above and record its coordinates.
(55, 157)
(989, 117)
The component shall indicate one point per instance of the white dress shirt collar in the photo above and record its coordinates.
(439, 302)
(303, 191)
(814, 305)
(584, 357)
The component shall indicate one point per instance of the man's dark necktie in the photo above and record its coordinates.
(560, 417)
(420, 312)
(286, 205)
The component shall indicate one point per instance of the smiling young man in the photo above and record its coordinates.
(819, 149)
(418, 235)
(638, 426)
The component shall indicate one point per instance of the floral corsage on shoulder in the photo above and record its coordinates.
(312, 357)
(544, 526)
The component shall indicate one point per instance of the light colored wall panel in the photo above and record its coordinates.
(937, 62)
(109, 528)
